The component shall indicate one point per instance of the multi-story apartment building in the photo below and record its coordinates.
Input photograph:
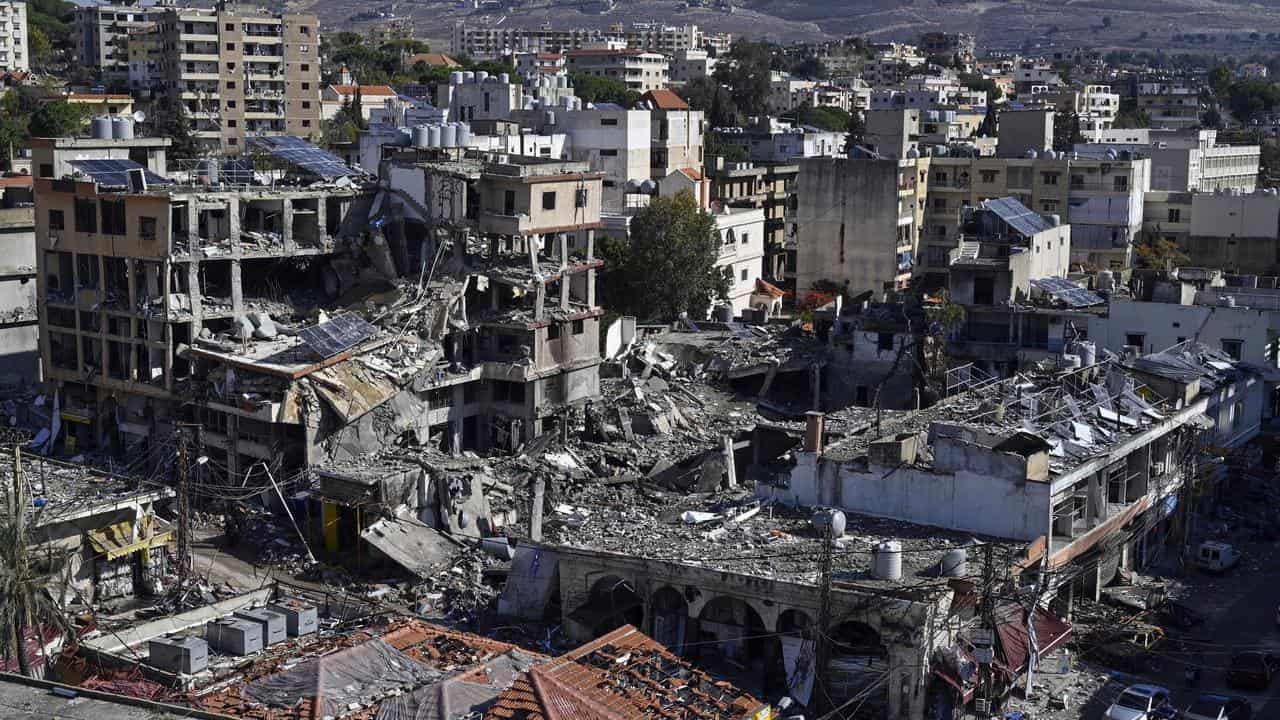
(677, 134)
(242, 74)
(495, 40)
(1187, 160)
(134, 268)
(640, 70)
(689, 65)
(769, 140)
(1169, 105)
(772, 189)
(14, 55)
(102, 34)
(19, 326)
(142, 48)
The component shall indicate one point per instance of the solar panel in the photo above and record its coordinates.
(238, 172)
(303, 155)
(1067, 292)
(115, 173)
(341, 333)
(1018, 216)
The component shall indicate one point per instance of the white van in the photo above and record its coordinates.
(1216, 556)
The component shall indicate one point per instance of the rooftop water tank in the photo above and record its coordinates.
(829, 517)
(481, 76)
(122, 128)
(101, 127)
(886, 561)
(448, 135)
(1106, 281)
(1070, 361)
(955, 563)
(464, 135)
(468, 76)
(504, 78)
(421, 136)
(456, 77)
(1087, 351)
(433, 136)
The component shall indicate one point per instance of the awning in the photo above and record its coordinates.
(116, 541)
(1051, 631)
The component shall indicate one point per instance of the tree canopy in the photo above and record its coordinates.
(596, 89)
(669, 264)
(58, 118)
(712, 98)
(823, 117)
(1251, 100)
(747, 73)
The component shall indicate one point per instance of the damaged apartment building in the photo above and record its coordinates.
(280, 298)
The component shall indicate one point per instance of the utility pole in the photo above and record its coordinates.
(20, 569)
(184, 509)
(822, 644)
(984, 636)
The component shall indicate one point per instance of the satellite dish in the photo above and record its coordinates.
(139, 116)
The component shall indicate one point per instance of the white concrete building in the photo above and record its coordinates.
(691, 64)
(1187, 160)
(741, 258)
(640, 70)
(767, 139)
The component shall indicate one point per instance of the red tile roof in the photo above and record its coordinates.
(694, 174)
(365, 90)
(665, 100)
(623, 675)
(432, 59)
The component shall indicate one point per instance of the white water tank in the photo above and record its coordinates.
(449, 135)
(955, 563)
(464, 135)
(101, 127)
(468, 76)
(1106, 281)
(421, 136)
(886, 561)
(828, 516)
(504, 78)
(122, 128)
(433, 136)
(481, 76)
(456, 77)
(1071, 361)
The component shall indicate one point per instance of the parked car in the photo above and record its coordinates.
(1214, 556)
(1142, 702)
(1218, 707)
(1251, 670)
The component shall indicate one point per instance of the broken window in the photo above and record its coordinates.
(1137, 340)
(56, 220)
(553, 331)
(113, 217)
(87, 271)
(1234, 348)
(508, 392)
(509, 202)
(147, 228)
(578, 327)
(86, 216)
(984, 291)
(62, 350)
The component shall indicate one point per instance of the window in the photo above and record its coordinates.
(1175, 215)
(306, 123)
(744, 274)
(553, 331)
(230, 27)
(46, 170)
(1137, 340)
(1234, 348)
(86, 216)
(56, 220)
(1077, 181)
(608, 121)
(549, 200)
(1122, 183)
(304, 48)
(231, 84)
(233, 141)
(609, 152)
(306, 104)
(729, 237)
(939, 203)
(578, 327)
(509, 202)
(147, 228)
(1049, 178)
(231, 46)
(306, 86)
(1049, 206)
(884, 341)
(745, 239)
(231, 104)
(989, 176)
(579, 200)
(231, 123)
(306, 29)
(305, 67)
(113, 217)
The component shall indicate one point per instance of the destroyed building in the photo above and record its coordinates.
(1084, 465)
(136, 268)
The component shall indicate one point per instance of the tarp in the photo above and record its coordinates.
(359, 674)
(460, 696)
(420, 549)
(116, 541)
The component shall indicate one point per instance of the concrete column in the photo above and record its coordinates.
(591, 287)
(730, 467)
(535, 515)
(196, 297)
(563, 241)
(286, 226)
(815, 383)
(193, 226)
(233, 223)
(531, 249)
(591, 245)
(237, 292)
(322, 220)
(564, 291)
(540, 301)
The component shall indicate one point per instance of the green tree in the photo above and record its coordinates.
(596, 89)
(344, 126)
(170, 119)
(823, 117)
(747, 73)
(712, 98)
(14, 122)
(58, 118)
(857, 130)
(39, 46)
(1211, 118)
(1220, 80)
(669, 264)
(1251, 100)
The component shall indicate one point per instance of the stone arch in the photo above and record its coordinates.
(859, 665)
(731, 639)
(669, 617)
(611, 603)
(794, 621)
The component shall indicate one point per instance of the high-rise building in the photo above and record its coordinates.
(13, 36)
(102, 33)
(242, 73)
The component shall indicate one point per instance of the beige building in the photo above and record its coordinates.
(640, 70)
(242, 74)
(102, 34)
